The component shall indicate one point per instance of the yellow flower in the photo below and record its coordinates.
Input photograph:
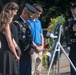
(49, 29)
(50, 48)
(52, 21)
(46, 49)
(49, 40)
(44, 57)
(58, 18)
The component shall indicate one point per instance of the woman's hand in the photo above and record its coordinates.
(19, 52)
(17, 57)
(17, 48)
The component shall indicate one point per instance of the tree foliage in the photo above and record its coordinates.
(52, 8)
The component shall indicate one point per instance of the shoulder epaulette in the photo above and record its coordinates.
(16, 22)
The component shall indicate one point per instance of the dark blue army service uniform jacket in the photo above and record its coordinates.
(25, 53)
(71, 38)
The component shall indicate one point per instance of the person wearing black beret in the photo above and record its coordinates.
(24, 36)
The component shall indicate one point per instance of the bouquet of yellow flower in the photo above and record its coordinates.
(50, 42)
(54, 22)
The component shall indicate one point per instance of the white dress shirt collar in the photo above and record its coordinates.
(23, 19)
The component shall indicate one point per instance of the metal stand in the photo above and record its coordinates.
(59, 47)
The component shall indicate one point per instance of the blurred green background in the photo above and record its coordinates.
(52, 8)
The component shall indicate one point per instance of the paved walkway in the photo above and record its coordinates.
(64, 67)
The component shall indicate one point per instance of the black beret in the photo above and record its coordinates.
(73, 6)
(31, 8)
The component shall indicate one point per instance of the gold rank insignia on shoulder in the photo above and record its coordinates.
(74, 27)
(16, 21)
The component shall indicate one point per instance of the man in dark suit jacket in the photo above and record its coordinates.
(25, 61)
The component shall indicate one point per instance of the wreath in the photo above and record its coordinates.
(50, 41)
